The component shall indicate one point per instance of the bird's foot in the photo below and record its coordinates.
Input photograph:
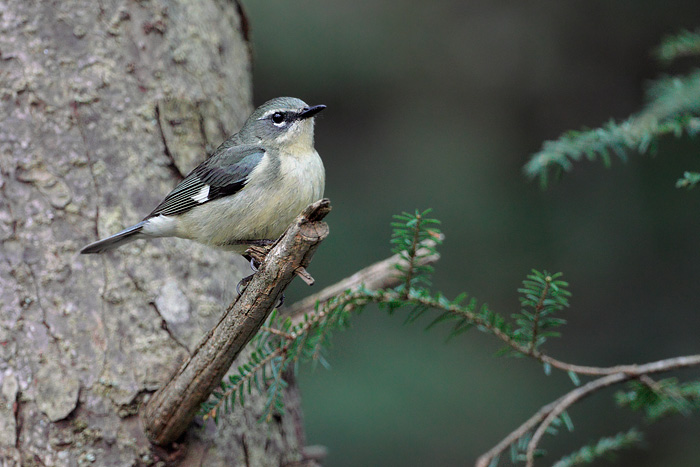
(243, 283)
(255, 256)
(258, 251)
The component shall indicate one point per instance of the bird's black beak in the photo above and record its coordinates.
(309, 112)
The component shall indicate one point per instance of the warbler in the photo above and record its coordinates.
(249, 190)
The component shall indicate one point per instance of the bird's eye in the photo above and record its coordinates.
(277, 117)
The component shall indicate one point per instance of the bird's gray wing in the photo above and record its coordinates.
(223, 174)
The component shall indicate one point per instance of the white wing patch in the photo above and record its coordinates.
(203, 195)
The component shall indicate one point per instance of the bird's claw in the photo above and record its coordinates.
(243, 283)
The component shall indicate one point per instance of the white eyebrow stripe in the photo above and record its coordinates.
(268, 113)
(274, 111)
(203, 195)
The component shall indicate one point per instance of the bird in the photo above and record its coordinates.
(248, 191)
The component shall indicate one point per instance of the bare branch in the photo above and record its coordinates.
(567, 401)
(548, 413)
(171, 409)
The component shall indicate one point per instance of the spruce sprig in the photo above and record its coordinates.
(684, 44)
(661, 398)
(673, 108)
(542, 295)
(689, 180)
(605, 447)
(408, 239)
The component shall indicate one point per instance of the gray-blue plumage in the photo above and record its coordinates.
(250, 188)
(225, 172)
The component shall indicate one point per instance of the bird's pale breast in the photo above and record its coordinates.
(263, 208)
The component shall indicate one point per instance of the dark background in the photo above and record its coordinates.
(439, 104)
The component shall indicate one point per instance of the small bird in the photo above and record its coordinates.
(249, 190)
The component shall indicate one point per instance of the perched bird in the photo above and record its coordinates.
(249, 190)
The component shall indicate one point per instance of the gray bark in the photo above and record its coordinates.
(103, 106)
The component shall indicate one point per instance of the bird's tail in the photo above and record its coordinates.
(114, 241)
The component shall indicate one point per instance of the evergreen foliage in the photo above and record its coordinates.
(409, 232)
(519, 448)
(542, 296)
(279, 345)
(689, 180)
(673, 108)
(661, 398)
(286, 341)
(684, 44)
(605, 447)
(283, 342)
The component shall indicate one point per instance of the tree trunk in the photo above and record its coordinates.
(103, 107)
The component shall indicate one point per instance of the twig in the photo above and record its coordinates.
(304, 275)
(170, 411)
(380, 275)
(383, 275)
(515, 345)
(538, 311)
(659, 389)
(567, 401)
(548, 413)
(412, 255)
(277, 332)
(581, 369)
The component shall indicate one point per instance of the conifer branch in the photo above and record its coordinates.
(673, 109)
(224, 398)
(305, 334)
(277, 332)
(683, 44)
(661, 398)
(689, 180)
(303, 339)
(605, 447)
(506, 338)
(548, 413)
(566, 401)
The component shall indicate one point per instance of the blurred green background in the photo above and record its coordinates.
(439, 104)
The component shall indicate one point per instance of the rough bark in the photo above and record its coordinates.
(103, 106)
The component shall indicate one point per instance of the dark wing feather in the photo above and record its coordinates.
(225, 172)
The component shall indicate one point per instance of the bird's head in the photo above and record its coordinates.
(283, 122)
